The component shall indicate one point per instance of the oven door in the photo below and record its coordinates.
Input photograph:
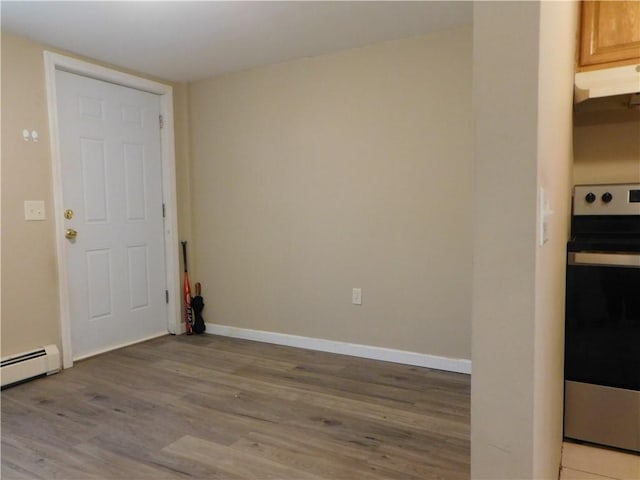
(602, 337)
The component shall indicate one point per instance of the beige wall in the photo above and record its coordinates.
(181, 132)
(347, 170)
(29, 271)
(504, 238)
(607, 148)
(523, 51)
(30, 315)
(558, 21)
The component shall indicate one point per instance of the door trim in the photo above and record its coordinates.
(53, 62)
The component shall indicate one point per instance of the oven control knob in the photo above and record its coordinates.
(590, 197)
(607, 197)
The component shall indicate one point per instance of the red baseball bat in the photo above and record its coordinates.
(188, 313)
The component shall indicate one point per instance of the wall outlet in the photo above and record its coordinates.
(34, 210)
(356, 296)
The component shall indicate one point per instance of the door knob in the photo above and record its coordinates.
(71, 233)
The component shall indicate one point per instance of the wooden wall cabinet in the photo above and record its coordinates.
(609, 34)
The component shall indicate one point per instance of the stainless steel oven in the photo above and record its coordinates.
(602, 322)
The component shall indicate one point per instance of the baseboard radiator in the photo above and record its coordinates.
(28, 365)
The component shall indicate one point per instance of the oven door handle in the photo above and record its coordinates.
(605, 259)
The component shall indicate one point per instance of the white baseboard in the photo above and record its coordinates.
(459, 365)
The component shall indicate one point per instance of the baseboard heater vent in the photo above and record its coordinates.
(28, 365)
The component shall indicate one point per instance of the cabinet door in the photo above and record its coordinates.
(610, 34)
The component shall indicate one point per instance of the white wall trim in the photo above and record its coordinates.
(53, 62)
(459, 365)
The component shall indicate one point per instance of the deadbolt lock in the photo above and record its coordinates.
(68, 214)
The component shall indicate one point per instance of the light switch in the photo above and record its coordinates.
(34, 210)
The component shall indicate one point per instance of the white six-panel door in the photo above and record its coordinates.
(112, 182)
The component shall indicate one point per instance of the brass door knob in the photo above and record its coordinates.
(71, 233)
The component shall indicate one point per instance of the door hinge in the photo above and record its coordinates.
(161, 121)
(164, 213)
(166, 296)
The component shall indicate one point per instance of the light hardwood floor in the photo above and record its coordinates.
(590, 462)
(215, 407)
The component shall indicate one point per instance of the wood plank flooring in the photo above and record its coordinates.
(218, 408)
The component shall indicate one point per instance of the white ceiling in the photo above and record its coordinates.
(187, 41)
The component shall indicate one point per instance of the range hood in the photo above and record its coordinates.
(607, 82)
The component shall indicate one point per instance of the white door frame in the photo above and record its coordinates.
(53, 62)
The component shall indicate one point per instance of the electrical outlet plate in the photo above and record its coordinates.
(34, 210)
(356, 296)
(544, 215)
